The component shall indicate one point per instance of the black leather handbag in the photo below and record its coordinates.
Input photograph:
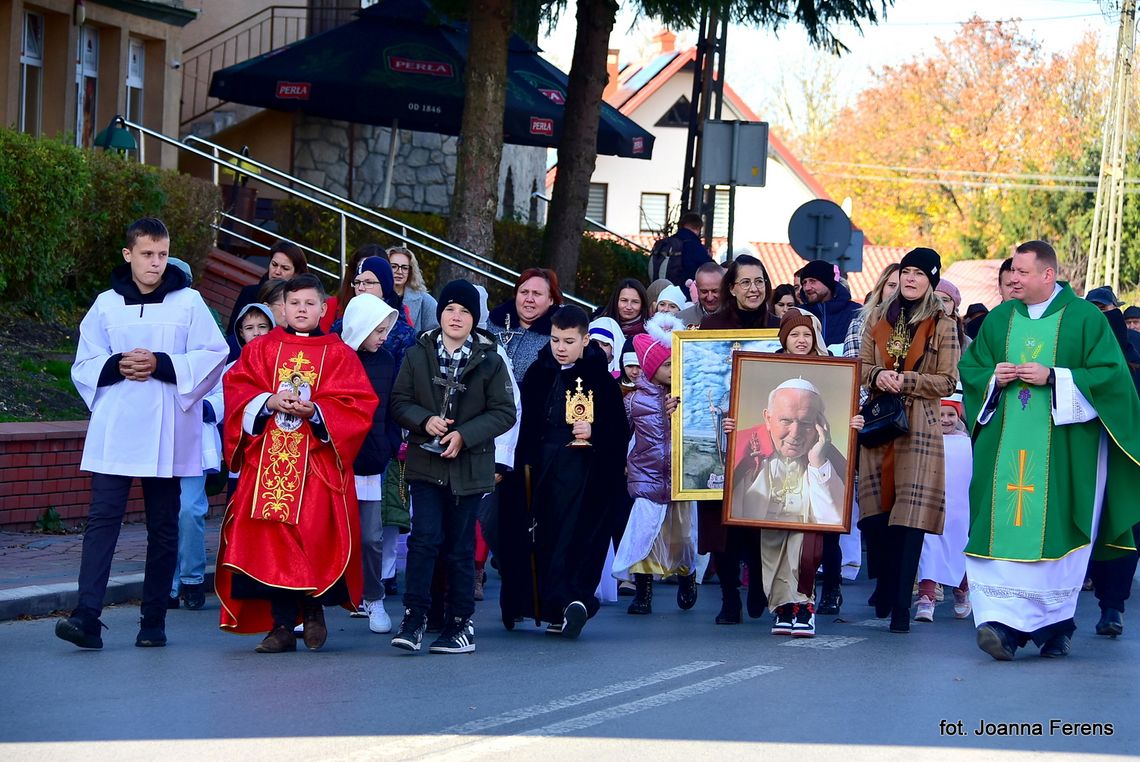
(884, 420)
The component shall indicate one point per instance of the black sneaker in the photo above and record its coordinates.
(152, 633)
(411, 632)
(82, 632)
(784, 619)
(831, 601)
(194, 596)
(574, 619)
(458, 637)
(804, 624)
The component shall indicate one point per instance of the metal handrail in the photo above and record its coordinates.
(347, 202)
(260, 245)
(343, 214)
(597, 224)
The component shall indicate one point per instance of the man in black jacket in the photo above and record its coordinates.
(454, 370)
(693, 252)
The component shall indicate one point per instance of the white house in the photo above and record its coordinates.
(636, 198)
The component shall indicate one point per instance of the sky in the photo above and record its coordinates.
(756, 58)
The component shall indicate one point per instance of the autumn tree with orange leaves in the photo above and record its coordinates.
(989, 100)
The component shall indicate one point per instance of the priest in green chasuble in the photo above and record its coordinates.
(1051, 404)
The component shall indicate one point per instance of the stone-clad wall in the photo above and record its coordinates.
(424, 172)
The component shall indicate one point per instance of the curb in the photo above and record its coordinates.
(38, 600)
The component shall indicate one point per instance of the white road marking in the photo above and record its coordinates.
(525, 713)
(497, 745)
(825, 642)
(879, 624)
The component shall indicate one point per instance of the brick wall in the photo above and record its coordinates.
(39, 469)
(224, 278)
(39, 462)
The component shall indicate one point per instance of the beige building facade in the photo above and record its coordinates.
(71, 67)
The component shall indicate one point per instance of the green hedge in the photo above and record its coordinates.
(517, 246)
(64, 211)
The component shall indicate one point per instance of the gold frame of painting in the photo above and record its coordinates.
(690, 347)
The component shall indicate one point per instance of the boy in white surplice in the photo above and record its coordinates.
(149, 351)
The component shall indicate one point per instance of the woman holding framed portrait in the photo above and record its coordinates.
(909, 350)
(745, 303)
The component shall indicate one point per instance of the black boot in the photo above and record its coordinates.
(643, 599)
(729, 607)
(687, 592)
(831, 600)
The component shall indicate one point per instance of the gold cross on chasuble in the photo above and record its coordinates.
(1021, 487)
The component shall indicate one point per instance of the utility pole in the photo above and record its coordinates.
(708, 88)
(1104, 247)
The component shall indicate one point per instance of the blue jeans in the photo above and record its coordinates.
(105, 519)
(443, 525)
(191, 533)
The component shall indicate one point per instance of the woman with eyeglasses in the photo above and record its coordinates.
(745, 303)
(744, 298)
(409, 281)
(286, 260)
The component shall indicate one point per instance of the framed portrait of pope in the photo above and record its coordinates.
(791, 462)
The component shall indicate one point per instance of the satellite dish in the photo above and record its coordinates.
(820, 229)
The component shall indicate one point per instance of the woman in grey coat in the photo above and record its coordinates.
(419, 303)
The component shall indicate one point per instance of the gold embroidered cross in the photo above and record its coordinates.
(300, 362)
(1021, 487)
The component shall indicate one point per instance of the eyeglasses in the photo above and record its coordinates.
(401, 268)
(358, 283)
(747, 283)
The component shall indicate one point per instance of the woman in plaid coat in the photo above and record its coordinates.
(909, 348)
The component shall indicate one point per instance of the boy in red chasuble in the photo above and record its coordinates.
(298, 406)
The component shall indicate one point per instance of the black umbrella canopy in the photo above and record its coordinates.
(400, 63)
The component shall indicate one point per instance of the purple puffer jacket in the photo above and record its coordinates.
(649, 459)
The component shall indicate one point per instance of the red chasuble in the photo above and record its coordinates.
(293, 522)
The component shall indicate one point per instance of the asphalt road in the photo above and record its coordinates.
(669, 686)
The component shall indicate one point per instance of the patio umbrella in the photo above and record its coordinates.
(400, 65)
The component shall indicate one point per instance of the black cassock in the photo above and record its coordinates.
(552, 549)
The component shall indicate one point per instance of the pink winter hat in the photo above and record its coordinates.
(656, 346)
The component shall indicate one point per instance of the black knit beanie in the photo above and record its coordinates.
(926, 260)
(462, 293)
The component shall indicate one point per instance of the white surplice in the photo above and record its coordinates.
(148, 428)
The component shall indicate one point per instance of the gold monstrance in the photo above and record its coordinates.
(579, 407)
(899, 342)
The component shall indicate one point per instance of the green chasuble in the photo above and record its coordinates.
(1034, 483)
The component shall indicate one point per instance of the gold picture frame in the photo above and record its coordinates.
(791, 410)
(699, 357)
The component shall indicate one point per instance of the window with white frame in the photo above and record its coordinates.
(654, 213)
(136, 61)
(32, 75)
(596, 206)
(86, 85)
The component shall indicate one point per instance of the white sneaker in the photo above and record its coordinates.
(378, 619)
(925, 611)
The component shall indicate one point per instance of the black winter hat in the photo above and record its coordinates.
(462, 293)
(926, 260)
(822, 271)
